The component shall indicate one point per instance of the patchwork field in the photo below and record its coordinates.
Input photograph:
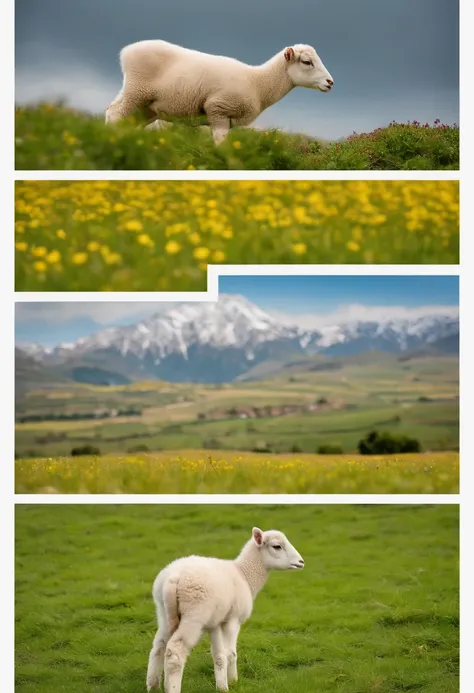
(162, 235)
(374, 611)
(299, 409)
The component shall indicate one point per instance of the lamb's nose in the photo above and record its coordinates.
(301, 561)
(330, 82)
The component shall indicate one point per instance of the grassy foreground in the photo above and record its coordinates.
(374, 611)
(54, 137)
(233, 472)
(161, 235)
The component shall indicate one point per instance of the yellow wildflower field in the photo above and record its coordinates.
(162, 235)
(199, 471)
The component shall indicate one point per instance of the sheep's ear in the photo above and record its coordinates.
(257, 535)
(289, 54)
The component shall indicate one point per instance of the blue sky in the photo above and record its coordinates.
(391, 60)
(325, 294)
(308, 300)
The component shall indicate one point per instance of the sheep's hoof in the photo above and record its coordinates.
(152, 684)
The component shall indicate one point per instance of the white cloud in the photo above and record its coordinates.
(355, 312)
(101, 313)
(79, 85)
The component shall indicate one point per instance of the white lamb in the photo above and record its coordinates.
(169, 80)
(197, 594)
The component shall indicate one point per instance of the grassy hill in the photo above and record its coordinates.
(376, 609)
(53, 137)
(299, 407)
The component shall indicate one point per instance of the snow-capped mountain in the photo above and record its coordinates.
(217, 342)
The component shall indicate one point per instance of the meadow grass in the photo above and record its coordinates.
(374, 611)
(202, 471)
(54, 137)
(162, 235)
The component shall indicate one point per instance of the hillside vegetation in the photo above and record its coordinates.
(162, 235)
(376, 609)
(52, 136)
(227, 471)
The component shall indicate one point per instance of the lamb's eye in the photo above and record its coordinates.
(276, 546)
(306, 62)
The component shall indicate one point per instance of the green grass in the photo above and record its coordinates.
(224, 471)
(55, 137)
(374, 611)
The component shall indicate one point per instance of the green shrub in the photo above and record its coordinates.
(85, 450)
(376, 443)
(329, 450)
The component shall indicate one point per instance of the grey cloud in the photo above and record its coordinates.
(390, 60)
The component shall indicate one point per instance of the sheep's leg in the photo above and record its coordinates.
(230, 631)
(157, 655)
(179, 646)
(220, 658)
(158, 125)
(220, 128)
(123, 105)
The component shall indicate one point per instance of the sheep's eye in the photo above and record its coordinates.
(306, 62)
(276, 546)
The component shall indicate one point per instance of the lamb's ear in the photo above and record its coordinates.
(257, 535)
(289, 54)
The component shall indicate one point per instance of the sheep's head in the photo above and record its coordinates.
(306, 69)
(276, 551)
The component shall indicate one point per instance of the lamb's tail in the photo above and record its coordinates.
(170, 601)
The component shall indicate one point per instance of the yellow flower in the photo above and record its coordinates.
(134, 225)
(60, 233)
(41, 251)
(201, 253)
(92, 246)
(53, 257)
(191, 167)
(119, 207)
(218, 256)
(21, 246)
(111, 258)
(172, 247)
(144, 239)
(299, 248)
(237, 145)
(353, 246)
(40, 266)
(195, 238)
(79, 258)
(162, 140)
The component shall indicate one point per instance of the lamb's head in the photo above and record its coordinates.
(276, 551)
(306, 69)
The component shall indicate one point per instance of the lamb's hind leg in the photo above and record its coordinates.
(230, 631)
(179, 646)
(157, 654)
(219, 656)
(125, 103)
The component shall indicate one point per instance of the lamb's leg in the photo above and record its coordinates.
(179, 646)
(230, 631)
(220, 659)
(220, 128)
(158, 125)
(157, 654)
(125, 103)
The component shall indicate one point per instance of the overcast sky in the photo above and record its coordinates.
(390, 59)
(309, 301)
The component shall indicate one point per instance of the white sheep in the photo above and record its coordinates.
(169, 80)
(197, 594)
